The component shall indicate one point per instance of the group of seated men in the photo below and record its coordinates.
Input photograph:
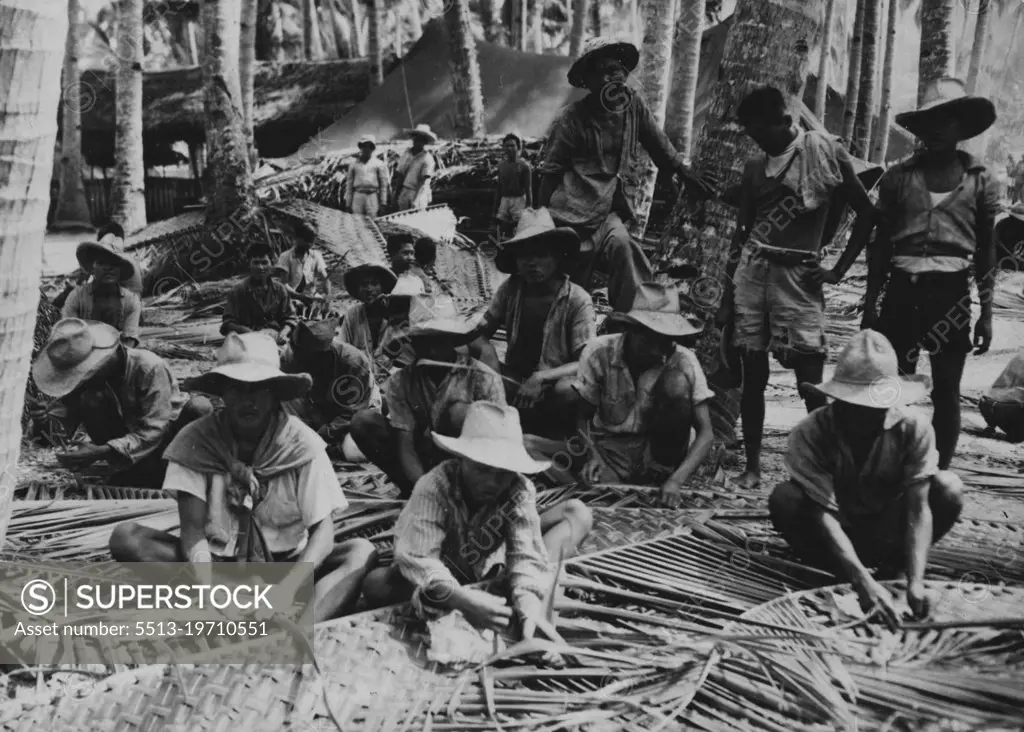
(459, 432)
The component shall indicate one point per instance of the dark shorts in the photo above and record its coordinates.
(928, 312)
(1008, 417)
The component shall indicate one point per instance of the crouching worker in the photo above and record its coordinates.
(1003, 405)
(642, 397)
(548, 319)
(342, 384)
(127, 400)
(253, 448)
(259, 303)
(469, 516)
(429, 396)
(865, 489)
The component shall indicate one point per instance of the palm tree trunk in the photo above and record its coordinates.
(685, 64)
(416, 19)
(343, 37)
(465, 70)
(853, 78)
(230, 197)
(701, 234)
(659, 23)
(519, 18)
(978, 49)
(275, 33)
(821, 96)
(32, 47)
(360, 28)
(868, 76)
(537, 25)
(579, 25)
(311, 43)
(885, 115)
(127, 194)
(494, 31)
(376, 39)
(596, 26)
(938, 51)
(247, 74)
(72, 210)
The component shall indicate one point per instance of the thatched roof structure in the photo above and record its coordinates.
(293, 102)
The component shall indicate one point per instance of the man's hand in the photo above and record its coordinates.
(591, 472)
(484, 610)
(819, 276)
(983, 335)
(671, 494)
(531, 612)
(869, 320)
(83, 457)
(700, 186)
(529, 392)
(919, 600)
(874, 597)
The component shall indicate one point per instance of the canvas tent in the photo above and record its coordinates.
(523, 92)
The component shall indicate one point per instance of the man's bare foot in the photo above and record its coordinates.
(748, 481)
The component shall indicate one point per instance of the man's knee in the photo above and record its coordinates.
(674, 386)
(946, 496)
(196, 407)
(125, 541)
(564, 393)
(385, 586)
(786, 504)
(579, 517)
(368, 425)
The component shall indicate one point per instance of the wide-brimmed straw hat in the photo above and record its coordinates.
(367, 140)
(251, 358)
(594, 48)
(388, 279)
(432, 316)
(491, 435)
(867, 374)
(949, 97)
(88, 251)
(423, 131)
(536, 227)
(656, 307)
(75, 352)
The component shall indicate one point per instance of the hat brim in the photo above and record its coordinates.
(367, 143)
(88, 251)
(495, 453)
(442, 327)
(976, 114)
(563, 238)
(911, 389)
(285, 386)
(55, 382)
(351, 278)
(673, 325)
(429, 136)
(626, 52)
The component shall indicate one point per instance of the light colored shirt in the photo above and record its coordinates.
(438, 540)
(569, 326)
(822, 464)
(624, 407)
(296, 501)
(415, 404)
(416, 169)
(309, 268)
(121, 311)
(369, 177)
(392, 345)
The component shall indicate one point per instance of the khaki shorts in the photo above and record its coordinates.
(510, 208)
(775, 310)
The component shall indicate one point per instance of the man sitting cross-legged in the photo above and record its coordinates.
(429, 396)
(548, 319)
(259, 303)
(640, 396)
(865, 488)
(470, 515)
(371, 325)
(254, 449)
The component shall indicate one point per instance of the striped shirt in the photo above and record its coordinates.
(569, 326)
(438, 540)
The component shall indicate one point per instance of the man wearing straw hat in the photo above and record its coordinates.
(105, 299)
(865, 488)
(110, 236)
(259, 303)
(342, 384)
(548, 320)
(415, 169)
(594, 167)
(127, 400)
(937, 216)
(366, 182)
(255, 484)
(428, 397)
(642, 396)
(471, 514)
(369, 326)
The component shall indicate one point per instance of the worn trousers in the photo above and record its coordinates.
(365, 204)
(623, 259)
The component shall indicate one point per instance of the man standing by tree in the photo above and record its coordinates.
(592, 176)
(773, 299)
